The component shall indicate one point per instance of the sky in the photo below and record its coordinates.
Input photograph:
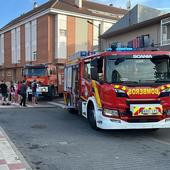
(13, 8)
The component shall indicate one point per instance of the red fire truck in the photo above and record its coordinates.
(50, 80)
(121, 89)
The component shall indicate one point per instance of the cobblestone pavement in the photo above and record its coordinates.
(53, 139)
(10, 158)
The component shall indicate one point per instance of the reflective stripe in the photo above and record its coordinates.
(96, 93)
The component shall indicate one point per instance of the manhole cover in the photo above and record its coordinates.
(39, 126)
(34, 147)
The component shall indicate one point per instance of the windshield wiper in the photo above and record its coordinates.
(162, 81)
(127, 82)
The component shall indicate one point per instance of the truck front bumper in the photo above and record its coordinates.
(111, 123)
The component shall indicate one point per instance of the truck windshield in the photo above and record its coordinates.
(131, 70)
(35, 72)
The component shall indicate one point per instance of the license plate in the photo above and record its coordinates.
(146, 109)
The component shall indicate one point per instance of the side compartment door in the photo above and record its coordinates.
(75, 85)
(68, 85)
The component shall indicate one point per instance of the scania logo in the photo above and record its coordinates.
(142, 56)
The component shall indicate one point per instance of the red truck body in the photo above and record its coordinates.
(47, 77)
(120, 89)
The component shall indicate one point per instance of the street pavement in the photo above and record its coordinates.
(50, 138)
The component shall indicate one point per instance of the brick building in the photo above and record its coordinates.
(51, 32)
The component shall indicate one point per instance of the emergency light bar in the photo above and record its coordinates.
(124, 49)
(120, 49)
(81, 54)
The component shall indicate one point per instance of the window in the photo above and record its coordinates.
(129, 70)
(87, 70)
(15, 45)
(35, 72)
(97, 72)
(165, 25)
(168, 31)
(31, 41)
(2, 49)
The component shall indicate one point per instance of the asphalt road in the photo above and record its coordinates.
(53, 139)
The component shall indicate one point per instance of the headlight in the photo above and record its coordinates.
(165, 93)
(109, 112)
(44, 90)
(120, 93)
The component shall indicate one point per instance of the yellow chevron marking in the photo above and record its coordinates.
(96, 92)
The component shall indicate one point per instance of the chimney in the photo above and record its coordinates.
(35, 4)
(78, 3)
(129, 5)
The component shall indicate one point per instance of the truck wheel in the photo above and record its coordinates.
(92, 117)
(60, 94)
(52, 94)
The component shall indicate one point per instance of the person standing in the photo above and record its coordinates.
(12, 92)
(23, 93)
(18, 91)
(4, 91)
(34, 92)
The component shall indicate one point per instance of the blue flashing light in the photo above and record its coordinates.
(83, 53)
(124, 49)
(108, 49)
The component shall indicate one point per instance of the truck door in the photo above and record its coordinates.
(86, 82)
(60, 70)
(75, 87)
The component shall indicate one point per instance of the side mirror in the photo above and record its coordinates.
(49, 72)
(101, 81)
(94, 71)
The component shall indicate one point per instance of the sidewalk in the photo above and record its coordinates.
(10, 157)
(41, 104)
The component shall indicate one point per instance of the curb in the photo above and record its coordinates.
(16, 151)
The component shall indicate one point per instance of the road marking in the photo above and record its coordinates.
(10, 157)
(57, 104)
(161, 141)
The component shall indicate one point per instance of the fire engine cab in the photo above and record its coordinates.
(46, 77)
(120, 89)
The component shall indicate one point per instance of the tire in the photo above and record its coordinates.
(52, 93)
(60, 94)
(92, 118)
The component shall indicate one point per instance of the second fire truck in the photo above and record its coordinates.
(120, 89)
(50, 79)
